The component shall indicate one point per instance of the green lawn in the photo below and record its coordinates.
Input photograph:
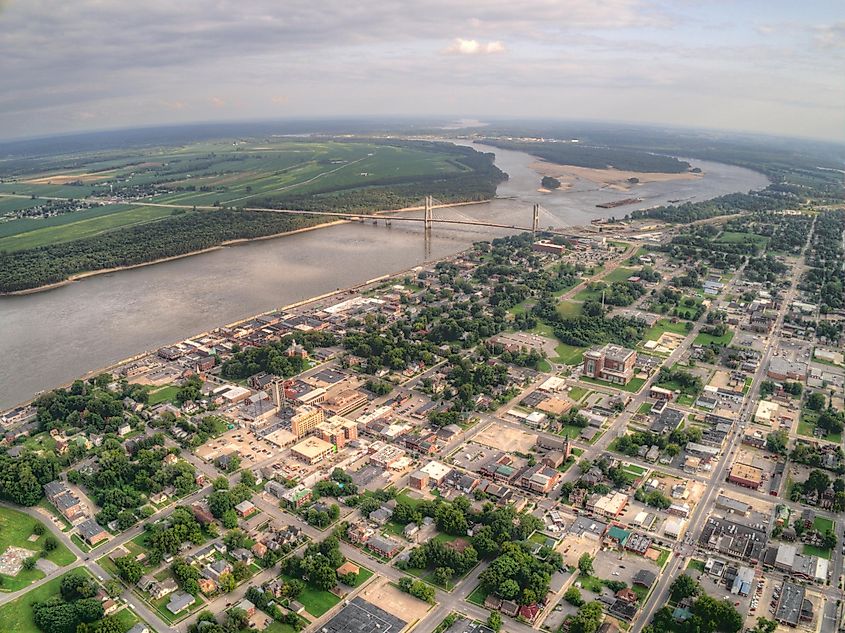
(590, 583)
(619, 274)
(544, 366)
(316, 601)
(569, 354)
(696, 564)
(15, 528)
(127, 618)
(364, 575)
(812, 550)
(163, 394)
(577, 393)
(80, 543)
(17, 615)
(570, 308)
(645, 408)
(477, 596)
(707, 339)
(632, 387)
(736, 237)
(665, 325)
(823, 524)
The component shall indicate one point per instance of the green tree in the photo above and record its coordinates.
(494, 621)
(585, 564)
(573, 597)
(683, 587)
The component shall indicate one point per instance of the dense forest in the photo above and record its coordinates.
(176, 235)
(595, 157)
(687, 212)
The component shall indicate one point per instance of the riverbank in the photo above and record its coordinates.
(339, 292)
(322, 225)
(60, 335)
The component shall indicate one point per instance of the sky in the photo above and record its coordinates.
(769, 66)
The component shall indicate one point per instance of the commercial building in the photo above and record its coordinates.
(312, 450)
(610, 505)
(337, 430)
(306, 419)
(746, 475)
(345, 402)
(436, 471)
(791, 604)
(612, 363)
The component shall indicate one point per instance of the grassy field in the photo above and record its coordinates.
(570, 308)
(316, 601)
(632, 387)
(735, 237)
(665, 325)
(618, 274)
(477, 596)
(17, 615)
(163, 394)
(707, 339)
(569, 354)
(15, 529)
(812, 550)
(82, 224)
(823, 524)
(577, 393)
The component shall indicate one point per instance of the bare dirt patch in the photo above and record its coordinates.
(11, 561)
(394, 601)
(63, 179)
(506, 439)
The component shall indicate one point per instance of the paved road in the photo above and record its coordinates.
(676, 565)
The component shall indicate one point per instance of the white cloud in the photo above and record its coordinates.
(831, 36)
(473, 47)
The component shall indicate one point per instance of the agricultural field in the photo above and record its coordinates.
(209, 188)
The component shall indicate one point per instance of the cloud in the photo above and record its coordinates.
(162, 61)
(830, 36)
(473, 47)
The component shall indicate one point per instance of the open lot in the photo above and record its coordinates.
(16, 528)
(241, 441)
(394, 601)
(505, 438)
(17, 615)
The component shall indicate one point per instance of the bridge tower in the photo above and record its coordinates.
(535, 220)
(428, 215)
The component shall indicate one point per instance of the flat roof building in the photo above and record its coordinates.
(746, 475)
(312, 450)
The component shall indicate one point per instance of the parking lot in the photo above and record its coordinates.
(250, 449)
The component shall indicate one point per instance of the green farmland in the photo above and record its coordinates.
(213, 185)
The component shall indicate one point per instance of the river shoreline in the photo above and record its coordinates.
(52, 338)
(244, 240)
(297, 304)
